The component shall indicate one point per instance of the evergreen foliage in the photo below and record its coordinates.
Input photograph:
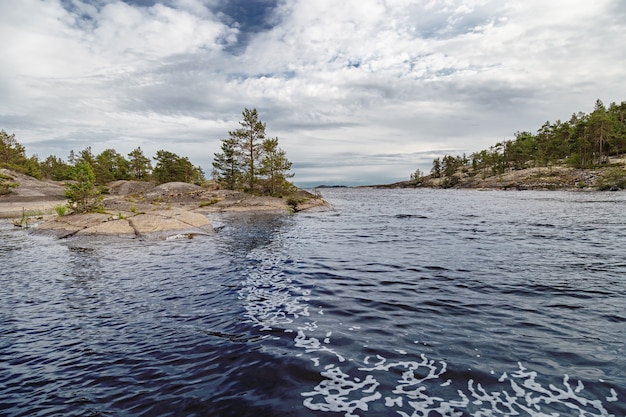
(82, 194)
(86, 155)
(54, 168)
(139, 165)
(11, 152)
(110, 166)
(249, 141)
(585, 141)
(106, 167)
(226, 169)
(250, 161)
(275, 167)
(86, 173)
(6, 184)
(417, 177)
(170, 167)
(13, 156)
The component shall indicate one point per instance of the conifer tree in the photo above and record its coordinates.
(173, 168)
(226, 169)
(250, 161)
(275, 166)
(139, 164)
(12, 153)
(249, 138)
(82, 194)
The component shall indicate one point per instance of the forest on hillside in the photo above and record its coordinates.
(585, 141)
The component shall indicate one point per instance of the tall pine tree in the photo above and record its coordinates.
(249, 138)
(251, 162)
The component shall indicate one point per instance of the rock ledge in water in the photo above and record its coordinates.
(155, 223)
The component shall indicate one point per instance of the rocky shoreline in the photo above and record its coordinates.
(539, 178)
(134, 209)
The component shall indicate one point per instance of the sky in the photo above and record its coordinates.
(357, 91)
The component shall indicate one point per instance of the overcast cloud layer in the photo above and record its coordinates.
(358, 92)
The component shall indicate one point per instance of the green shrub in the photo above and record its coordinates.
(6, 187)
(61, 210)
(612, 179)
(82, 193)
(293, 202)
(6, 184)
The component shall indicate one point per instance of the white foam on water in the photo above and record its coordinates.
(342, 393)
(410, 398)
(312, 344)
(613, 396)
(272, 301)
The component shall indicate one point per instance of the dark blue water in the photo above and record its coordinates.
(391, 303)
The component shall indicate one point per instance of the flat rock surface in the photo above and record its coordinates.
(112, 227)
(130, 225)
(164, 220)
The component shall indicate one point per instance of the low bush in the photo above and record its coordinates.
(61, 210)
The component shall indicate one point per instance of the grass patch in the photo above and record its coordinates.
(209, 202)
(24, 220)
(61, 210)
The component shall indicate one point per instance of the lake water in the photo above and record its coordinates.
(390, 303)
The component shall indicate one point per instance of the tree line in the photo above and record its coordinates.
(585, 141)
(107, 166)
(249, 161)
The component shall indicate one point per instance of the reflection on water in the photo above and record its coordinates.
(399, 303)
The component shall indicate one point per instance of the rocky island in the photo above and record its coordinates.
(108, 194)
(136, 209)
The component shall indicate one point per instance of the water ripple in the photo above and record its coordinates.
(440, 304)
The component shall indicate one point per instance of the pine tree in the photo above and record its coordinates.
(275, 166)
(12, 153)
(82, 194)
(110, 166)
(139, 164)
(226, 168)
(173, 168)
(249, 138)
(54, 168)
(250, 161)
(436, 169)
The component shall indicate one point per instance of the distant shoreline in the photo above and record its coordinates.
(555, 178)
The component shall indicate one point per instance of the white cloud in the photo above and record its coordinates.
(408, 78)
(140, 34)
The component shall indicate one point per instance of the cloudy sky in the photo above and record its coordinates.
(357, 91)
